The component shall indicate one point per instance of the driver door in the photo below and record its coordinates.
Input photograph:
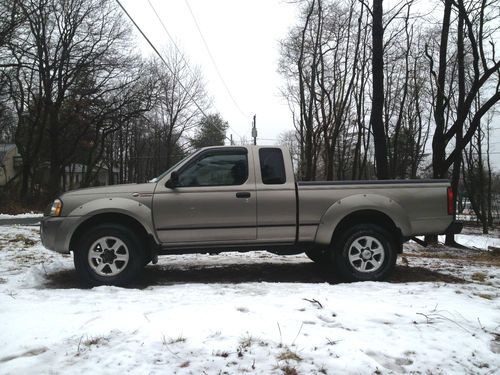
(213, 201)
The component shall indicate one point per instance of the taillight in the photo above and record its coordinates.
(450, 201)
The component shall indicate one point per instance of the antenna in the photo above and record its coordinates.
(254, 129)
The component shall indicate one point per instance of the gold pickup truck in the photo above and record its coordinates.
(244, 198)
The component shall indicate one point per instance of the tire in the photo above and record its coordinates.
(108, 254)
(365, 252)
(318, 256)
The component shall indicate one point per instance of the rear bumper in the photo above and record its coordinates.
(454, 228)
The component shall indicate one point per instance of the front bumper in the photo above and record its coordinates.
(56, 232)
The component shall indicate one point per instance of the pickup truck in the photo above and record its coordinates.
(244, 198)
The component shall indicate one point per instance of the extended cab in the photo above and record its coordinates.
(242, 198)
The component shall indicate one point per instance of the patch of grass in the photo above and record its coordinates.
(246, 341)
(331, 342)
(288, 370)
(22, 238)
(263, 343)
(176, 340)
(223, 354)
(479, 276)
(184, 364)
(94, 341)
(289, 355)
(89, 342)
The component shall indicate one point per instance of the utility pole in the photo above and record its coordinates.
(231, 140)
(254, 130)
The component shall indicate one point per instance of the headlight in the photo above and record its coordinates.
(56, 208)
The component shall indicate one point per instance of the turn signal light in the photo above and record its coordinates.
(56, 208)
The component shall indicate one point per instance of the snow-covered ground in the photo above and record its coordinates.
(21, 216)
(250, 313)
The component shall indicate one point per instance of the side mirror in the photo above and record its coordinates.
(173, 181)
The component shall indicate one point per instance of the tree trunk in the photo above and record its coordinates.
(455, 179)
(376, 117)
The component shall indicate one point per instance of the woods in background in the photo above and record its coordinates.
(75, 94)
(395, 92)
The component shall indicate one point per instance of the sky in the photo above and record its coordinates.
(243, 38)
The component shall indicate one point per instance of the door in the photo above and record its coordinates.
(213, 201)
(277, 205)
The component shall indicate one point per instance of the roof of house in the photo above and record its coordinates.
(4, 148)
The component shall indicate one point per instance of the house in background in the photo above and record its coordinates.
(10, 162)
(74, 174)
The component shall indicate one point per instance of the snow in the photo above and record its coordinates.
(236, 313)
(21, 216)
(476, 241)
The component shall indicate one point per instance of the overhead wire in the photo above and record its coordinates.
(213, 60)
(163, 60)
(180, 52)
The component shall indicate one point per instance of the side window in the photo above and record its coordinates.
(272, 166)
(216, 169)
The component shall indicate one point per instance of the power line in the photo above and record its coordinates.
(162, 59)
(179, 51)
(213, 60)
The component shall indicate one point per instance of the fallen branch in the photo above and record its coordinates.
(314, 301)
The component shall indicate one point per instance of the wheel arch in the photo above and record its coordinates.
(113, 218)
(363, 208)
(372, 217)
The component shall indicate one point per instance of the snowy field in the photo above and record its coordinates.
(21, 216)
(251, 313)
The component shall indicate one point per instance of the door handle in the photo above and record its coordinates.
(243, 194)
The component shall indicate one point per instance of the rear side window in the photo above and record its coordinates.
(272, 166)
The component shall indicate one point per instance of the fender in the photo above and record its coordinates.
(359, 202)
(128, 207)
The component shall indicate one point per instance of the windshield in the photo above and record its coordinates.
(172, 168)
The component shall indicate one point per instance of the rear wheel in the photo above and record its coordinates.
(108, 254)
(365, 252)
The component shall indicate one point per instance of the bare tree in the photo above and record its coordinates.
(11, 18)
(289, 139)
(467, 82)
(376, 116)
(299, 64)
(68, 60)
(182, 99)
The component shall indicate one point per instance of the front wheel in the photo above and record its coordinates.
(108, 254)
(365, 252)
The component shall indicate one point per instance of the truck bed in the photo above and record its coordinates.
(420, 206)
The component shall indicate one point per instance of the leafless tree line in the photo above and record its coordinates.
(74, 90)
(392, 92)
(326, 60)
